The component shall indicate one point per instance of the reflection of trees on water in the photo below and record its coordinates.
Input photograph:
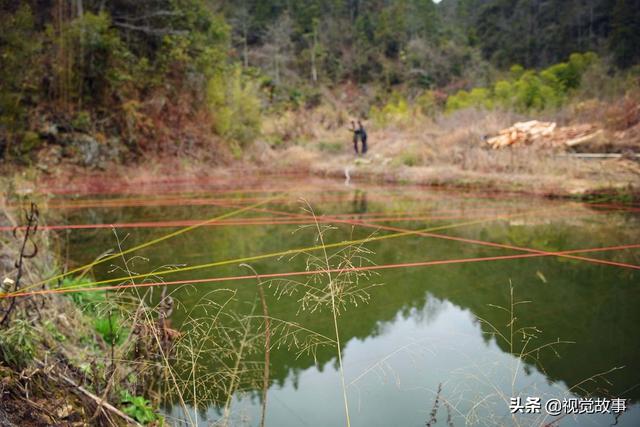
(593, 305)
(359, 203)
(577, 305)
(426, 314)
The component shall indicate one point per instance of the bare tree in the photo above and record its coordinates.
(315, 48)
(241, 22)
(278, 47)
(314, 51)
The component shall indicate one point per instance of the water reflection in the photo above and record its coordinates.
(394, 376)
(359, 202)
(427, 326)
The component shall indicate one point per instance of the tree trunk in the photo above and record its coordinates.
(314, 70)
(245, 49)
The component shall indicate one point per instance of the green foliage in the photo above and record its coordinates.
(427, 45)
(233, 100)
(516, 71)
(83, 69)
(138, 408)
(82, 121)
(397, 109)
(18, 343)
(538, 34)
(177, 61)
(625, 37)
(50, 327)
(27, 142)
(19, 72)
(427, 103)
(409, 159)
(88, 301)
(111, 329)
(331, 147)
(94, 64)
(106, 319)
(477, 97)
(527, 90)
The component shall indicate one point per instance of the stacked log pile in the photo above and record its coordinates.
(522, 133)
(546, 133)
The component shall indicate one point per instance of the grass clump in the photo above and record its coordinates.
(331, 147)
(18, 343)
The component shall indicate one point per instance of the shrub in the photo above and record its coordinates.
(479, 97)
(409, 158)
(234, 103)
(526, 90)
(331, 147)
(396, 110)
(138, 408)
(427, 103)
(17, 343)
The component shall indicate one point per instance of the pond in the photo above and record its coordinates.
(445, 302)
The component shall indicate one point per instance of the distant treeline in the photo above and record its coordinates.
(423, 43)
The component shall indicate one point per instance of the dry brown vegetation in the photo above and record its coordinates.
(417, 147)
(449, 149)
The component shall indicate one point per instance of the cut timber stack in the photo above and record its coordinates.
(578, 134)
(522, 132)
(548, 134)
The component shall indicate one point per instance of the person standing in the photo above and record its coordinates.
(363, 137)
(356, 133)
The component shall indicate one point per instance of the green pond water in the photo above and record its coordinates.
(422, 327)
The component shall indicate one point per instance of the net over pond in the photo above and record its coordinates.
(378, 305)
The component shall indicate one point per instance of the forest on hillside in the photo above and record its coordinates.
(161, 75)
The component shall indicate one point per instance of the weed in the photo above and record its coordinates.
(138, 408)
(50, 327)
(331, 147)
(327, 290)
(18, 343)
(104, 314)
(409, 159)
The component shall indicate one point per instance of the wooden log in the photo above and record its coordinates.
(582, 139)
(98, 400)
(599, 155)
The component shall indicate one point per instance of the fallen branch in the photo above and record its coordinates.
(159, 13)
(151, 31)
(32, 228)
(600, 155)
(98, 400)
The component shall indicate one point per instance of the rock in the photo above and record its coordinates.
(4, 419)
(51, 155)
(64, 411)
(85, 150)
(49, 131)
(8, 282)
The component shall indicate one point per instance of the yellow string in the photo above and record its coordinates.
(146, 244)
(287, 252)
